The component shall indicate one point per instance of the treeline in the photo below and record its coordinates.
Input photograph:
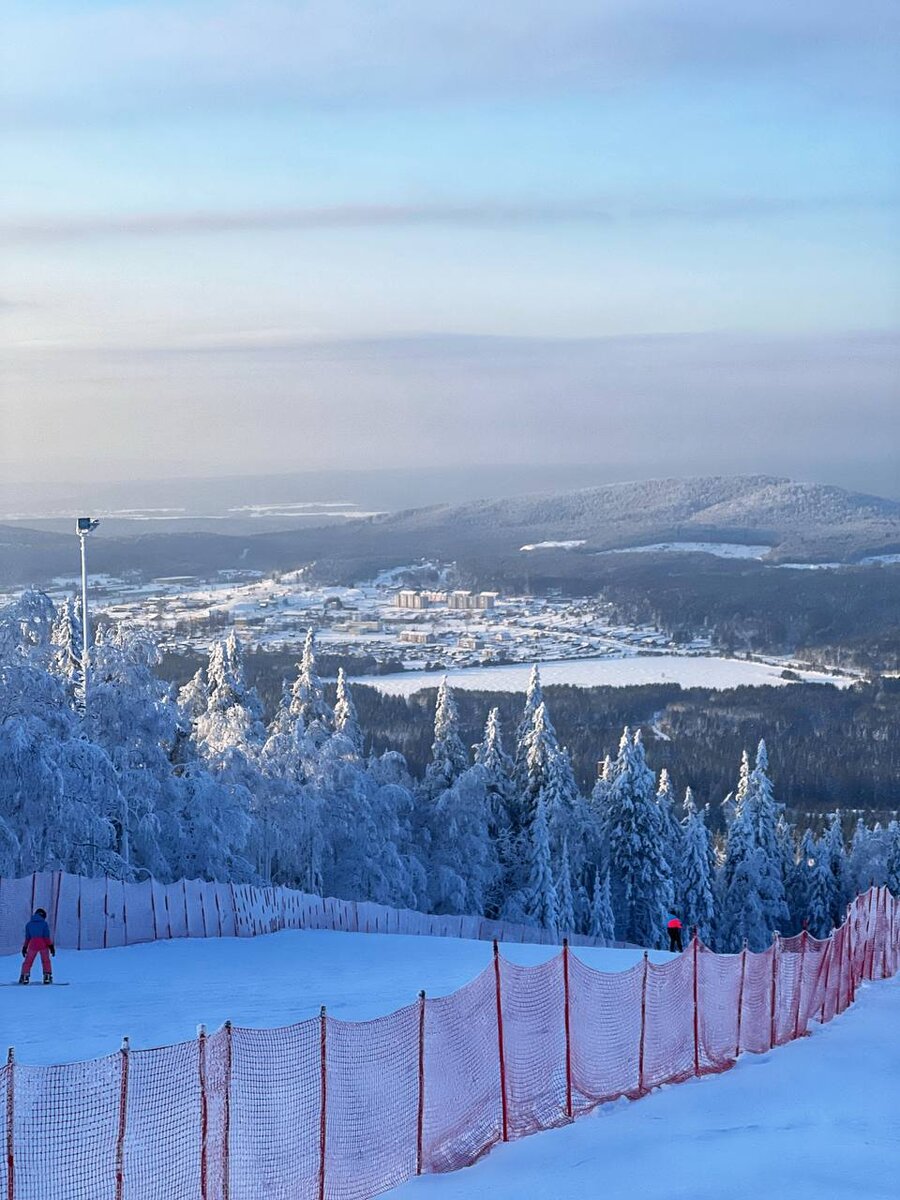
(698, 733)
(129, 777)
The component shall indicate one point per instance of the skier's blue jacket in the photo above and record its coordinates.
(37, 927)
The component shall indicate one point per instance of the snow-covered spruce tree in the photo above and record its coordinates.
(66, 638)
(738, 909)
(448, 755)
(463, 867)
(540, 904)
(671, 831)
(346, 722)
(489, 753)
(502, 829)
(765, 812)
(598, 846)
(752, 900)
(232, 723)
(308, 696)
(696, 906)
(800, 882)
(567, 815)
(861, 857)
(360, 829)
(819, 893)
(543, 747)
(26, 626)
(565, 901)
(639, 873)
(836, 855)
(534, 698)
(132, 718)
(602, 924)
(787, 853)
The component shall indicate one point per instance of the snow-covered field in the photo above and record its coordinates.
(814, 1120)
(718, 549)
(159, 992)
(706, 671)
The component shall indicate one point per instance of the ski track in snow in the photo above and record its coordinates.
(814, 1120)
(159, 992)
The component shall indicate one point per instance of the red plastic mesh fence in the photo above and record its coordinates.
(463, 1110)
(335, 1110)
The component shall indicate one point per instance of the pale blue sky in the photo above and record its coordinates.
(191, 187)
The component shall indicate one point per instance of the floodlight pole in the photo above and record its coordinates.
(84, 618)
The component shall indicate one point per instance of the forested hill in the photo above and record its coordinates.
(796, 519)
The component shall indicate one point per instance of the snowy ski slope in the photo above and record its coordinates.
(157, 993)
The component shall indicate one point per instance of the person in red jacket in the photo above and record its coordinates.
(37, 942)
(674, 928)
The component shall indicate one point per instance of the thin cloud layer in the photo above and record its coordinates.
(155, 56)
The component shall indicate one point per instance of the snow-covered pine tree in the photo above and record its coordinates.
(193, 698)
(542, 749)
(448, 754)
(66, 638)
(602, 923)
(26, 628)
(859, 864)
(790, 868)
(489, 753)
(836, 855)
(534, 698)
(639, 873)
(598, 844)
(738, 901)
(671, 829)
(232, 723)
(540, 903)
(800, 881)
(752, 902)
(565, 901)
(463, 864)
(346, 722)
(566, 814)
(696, 905)
(765, 813)
(308, 696)
(819, 889)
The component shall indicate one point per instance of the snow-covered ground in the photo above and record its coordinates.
(814, 1120)
(159, 992)
(706, 671)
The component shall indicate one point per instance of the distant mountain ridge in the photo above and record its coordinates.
(807, 520)
(801, 522)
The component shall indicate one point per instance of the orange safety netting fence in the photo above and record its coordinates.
(335, 1110)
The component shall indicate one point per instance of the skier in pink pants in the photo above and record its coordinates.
(37, 941)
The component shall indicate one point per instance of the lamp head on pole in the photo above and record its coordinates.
(84, 525)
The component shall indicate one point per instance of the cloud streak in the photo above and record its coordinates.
(478, 214)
